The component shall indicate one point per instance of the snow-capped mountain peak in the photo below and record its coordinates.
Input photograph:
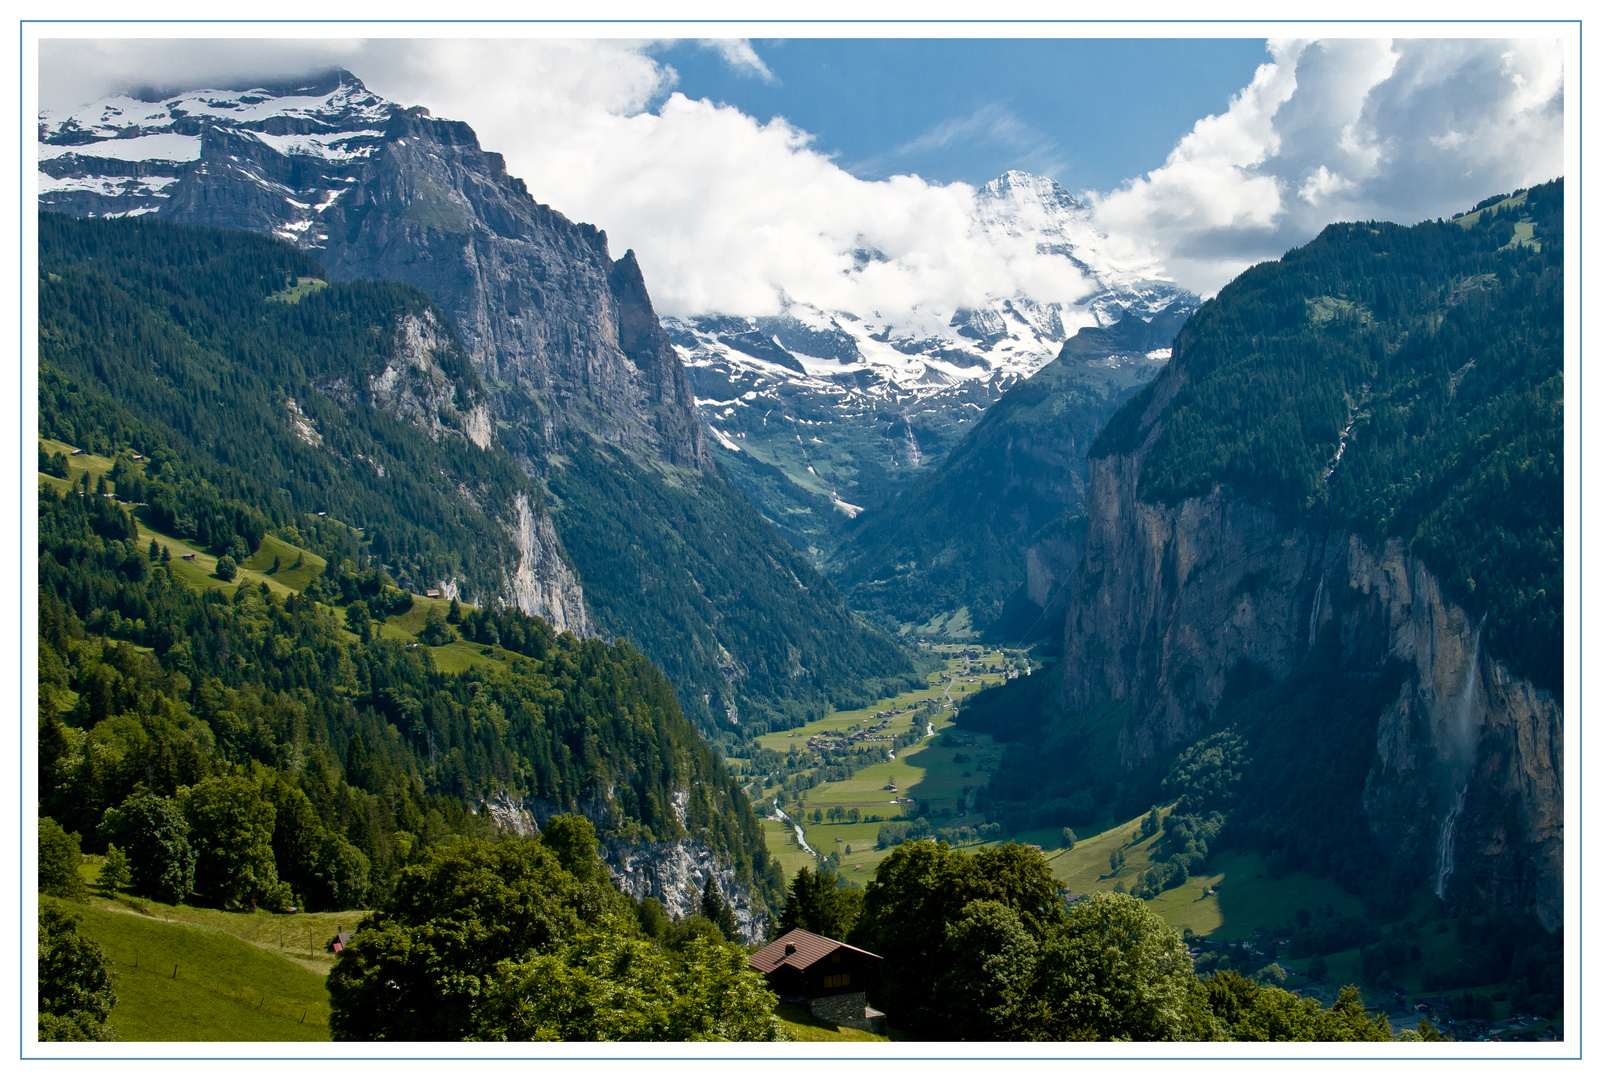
(128, 154)
(848, 404)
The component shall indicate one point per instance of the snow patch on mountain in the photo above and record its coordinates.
(92, 159)
(881, 394)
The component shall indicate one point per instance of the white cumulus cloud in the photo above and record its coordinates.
(1345, 130)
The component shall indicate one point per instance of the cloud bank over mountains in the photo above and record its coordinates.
(729, 214)
(1345, 130)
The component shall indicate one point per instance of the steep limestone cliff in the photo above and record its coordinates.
(1466, 786)
(1171, 599)
(543, 583)
(415, 386)
(1348, 454)
(566, 339)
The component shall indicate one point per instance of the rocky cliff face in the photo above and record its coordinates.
(565, 339)
(1468, 771)
(543, 584)
(1172, 601)
(413, 385)
(675, 872)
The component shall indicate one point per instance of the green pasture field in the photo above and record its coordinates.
(940, 682)
(302, 288)
(925, 771)
(93, 464)
(201, 573)
(292, 580)
(453, 658)
(180, 982)
(301, 937)
(780, 839)
(1245, 896)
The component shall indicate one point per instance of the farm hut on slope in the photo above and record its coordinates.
(830, 976)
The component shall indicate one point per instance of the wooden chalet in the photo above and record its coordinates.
(831, 976)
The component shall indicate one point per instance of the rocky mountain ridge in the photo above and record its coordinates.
(819, 415)
(984, 542)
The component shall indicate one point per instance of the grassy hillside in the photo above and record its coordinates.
(179, 982)
(1234, 898)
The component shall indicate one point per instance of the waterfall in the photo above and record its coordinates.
(1318, 609)
(1464, 732)
(1461, 740)
(1448, 842)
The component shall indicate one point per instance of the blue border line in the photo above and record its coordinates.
(21, 334)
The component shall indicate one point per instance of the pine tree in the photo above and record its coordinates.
(718, 910)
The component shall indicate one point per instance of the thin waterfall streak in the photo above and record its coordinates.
(1449, 843)
(1461, 748)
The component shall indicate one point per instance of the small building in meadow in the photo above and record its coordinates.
(830, 976)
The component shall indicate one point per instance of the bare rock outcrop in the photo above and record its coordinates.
(543, 583)
(675, 872)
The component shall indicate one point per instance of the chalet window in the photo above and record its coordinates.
(830, 982)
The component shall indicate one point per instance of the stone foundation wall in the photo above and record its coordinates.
(840, 1008)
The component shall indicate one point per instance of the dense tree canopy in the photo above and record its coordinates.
(981, 946)
(523, 939)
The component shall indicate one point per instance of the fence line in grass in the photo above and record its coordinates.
(253, 999)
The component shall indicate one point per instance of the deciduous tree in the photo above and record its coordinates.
(59, 859)
(77, 986)
(155, 834)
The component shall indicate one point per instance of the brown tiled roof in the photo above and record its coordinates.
(809, 949)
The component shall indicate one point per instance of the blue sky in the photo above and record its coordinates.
(1090, 113)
